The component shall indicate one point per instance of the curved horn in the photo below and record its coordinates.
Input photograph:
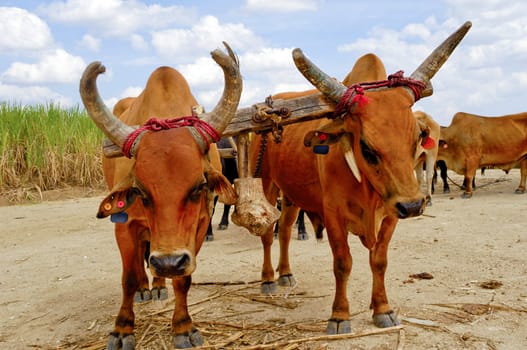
(327, 85)
(111, 126)
(424, 73)
(435, 60)
(224, 111)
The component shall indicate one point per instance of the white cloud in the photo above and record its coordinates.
(117, 17)
(32, 95)
(138, 42)
(90, 42)
(132, 91)
(282, 6)
(22, 30)
(56, 67)
(186, 44)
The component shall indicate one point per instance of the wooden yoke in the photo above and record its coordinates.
(252, 210)
(249, 119)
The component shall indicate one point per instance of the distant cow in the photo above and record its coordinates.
(472, 141)
(426, 153)
(363, 183)
(161, 193)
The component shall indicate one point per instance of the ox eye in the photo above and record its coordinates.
(195, 192)
(369, 154)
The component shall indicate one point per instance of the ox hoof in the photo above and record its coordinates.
(223, 226)
(142, 296)
(519, 191)
(302, 236)
(185, 341)
(159, 293)
(287, 280)
(268, 288)
(428, 201)
(386, 320)
(338, 327)
(446, 190)
(209, 238)
(466, 195)
(120, 342)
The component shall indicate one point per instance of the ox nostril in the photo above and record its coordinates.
(170, 265)
(409, 209)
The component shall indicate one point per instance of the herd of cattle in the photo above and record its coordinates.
(351, 172)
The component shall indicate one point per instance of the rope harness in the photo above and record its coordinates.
(354, 95)
(209, 134)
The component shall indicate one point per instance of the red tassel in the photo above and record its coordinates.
(360, 99)
(428, 143)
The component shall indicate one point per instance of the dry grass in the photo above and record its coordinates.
(44, 148)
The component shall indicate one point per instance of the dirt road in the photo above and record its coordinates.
(61, 280)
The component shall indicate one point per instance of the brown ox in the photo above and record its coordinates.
(426, 154)
(170, 172)
(472, 141)
(363, 185)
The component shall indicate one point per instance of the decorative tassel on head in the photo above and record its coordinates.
(360, 99)
(428, 143)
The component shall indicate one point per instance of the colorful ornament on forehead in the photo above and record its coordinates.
(428, 143)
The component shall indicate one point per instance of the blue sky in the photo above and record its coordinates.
(45, 46)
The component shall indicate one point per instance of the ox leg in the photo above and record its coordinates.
(419, 174)
(523, 176)
(132, 255)
(287, 220)
(185, 334)
(159, 290)
(444, 175)
(430, 165)
(268, 285)
(210, 235)
(339, 322)
(469, 178)
(383, 315)
(224, 222)
(301, 224)
(143, 293)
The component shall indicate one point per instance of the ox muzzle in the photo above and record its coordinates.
(179, 263)
(410, 209)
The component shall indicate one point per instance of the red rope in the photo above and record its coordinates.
(155, 124)
(354, 95)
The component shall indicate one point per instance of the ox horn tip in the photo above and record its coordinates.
(96, 67)
(231, 53)
(297, 53)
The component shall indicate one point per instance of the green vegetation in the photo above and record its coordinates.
(47, 147)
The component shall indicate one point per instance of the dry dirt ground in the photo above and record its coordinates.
(457, 278)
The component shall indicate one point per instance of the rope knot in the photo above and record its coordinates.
(354, 95)
(207, 132)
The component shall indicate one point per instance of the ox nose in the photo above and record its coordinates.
(170, 265)
(410, 209)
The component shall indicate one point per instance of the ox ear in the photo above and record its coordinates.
(325, 135)
(117, 201)
(221, 185)
(427, 141)
(121, 197)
